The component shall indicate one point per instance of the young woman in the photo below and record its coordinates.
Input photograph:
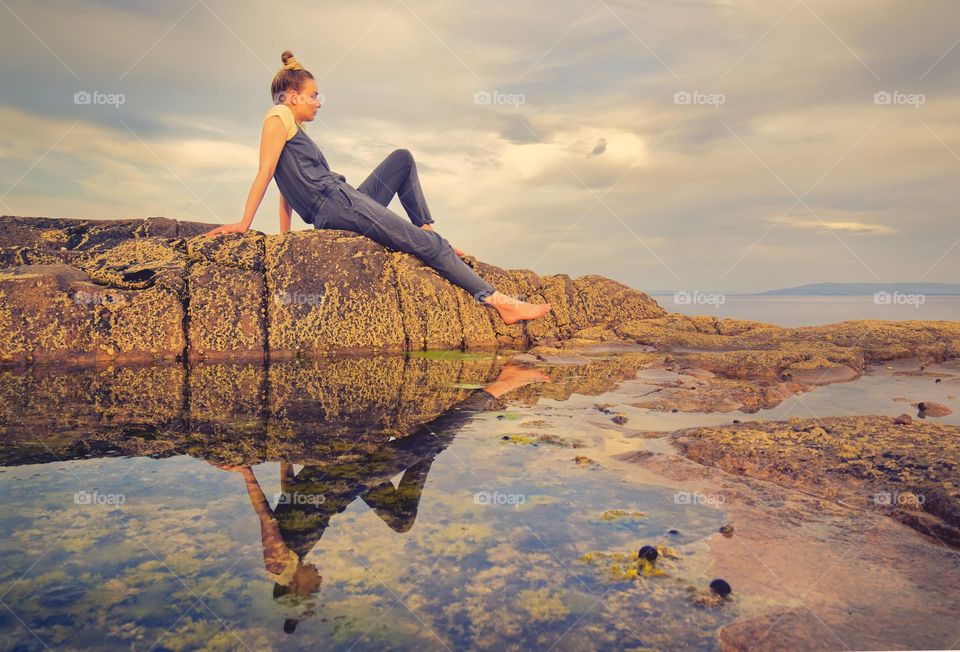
(324, 198)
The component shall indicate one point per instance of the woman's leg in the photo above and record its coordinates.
(397, 175)
(349, 209)
(355, 211)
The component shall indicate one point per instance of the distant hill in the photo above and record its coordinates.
(847, 289)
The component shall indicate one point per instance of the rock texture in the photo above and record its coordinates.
(157, 289)
(736, 348)
(908, 471)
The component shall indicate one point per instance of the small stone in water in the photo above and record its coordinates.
(673, 532)
(620, 419)
(505, 438)
(648, 552)
(726, 530)
(720, 587)
(736, 420)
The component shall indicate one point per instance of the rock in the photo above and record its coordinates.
(903, 420)
(930, 409)
(620, 419)
(752, 350)
(634, 457)
(572, 360)
(720, 587)
(726, 530)
(648, 553)
(865, 461)
(156, 289)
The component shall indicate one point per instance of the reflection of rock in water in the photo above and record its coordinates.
(300, 411)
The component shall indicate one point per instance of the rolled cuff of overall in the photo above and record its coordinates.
(484, 292)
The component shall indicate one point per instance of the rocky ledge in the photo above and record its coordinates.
(907, 470)
(157, 289)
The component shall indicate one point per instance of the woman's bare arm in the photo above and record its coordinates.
(272, 139)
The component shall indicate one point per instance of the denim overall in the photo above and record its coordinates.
(324, 199)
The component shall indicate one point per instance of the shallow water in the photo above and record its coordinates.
(144, 508)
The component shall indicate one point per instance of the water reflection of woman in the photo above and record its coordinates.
(310, 497)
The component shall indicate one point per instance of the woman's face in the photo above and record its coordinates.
(306, 102)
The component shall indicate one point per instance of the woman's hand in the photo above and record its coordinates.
(237, 227)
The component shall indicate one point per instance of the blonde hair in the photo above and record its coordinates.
(290, 76)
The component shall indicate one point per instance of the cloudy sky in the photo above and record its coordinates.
(731, 145)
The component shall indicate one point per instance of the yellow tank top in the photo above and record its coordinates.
(283, 112)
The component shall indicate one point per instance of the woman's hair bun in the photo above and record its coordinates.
(291, 75)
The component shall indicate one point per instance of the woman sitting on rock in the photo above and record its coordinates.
(324, 198)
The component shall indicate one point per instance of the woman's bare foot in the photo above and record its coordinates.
(513, 310)
(456, 250)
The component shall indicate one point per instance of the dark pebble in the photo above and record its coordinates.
(721, 588)
(726, 530)
(505, 438)
(674, 532)
(937, 380)
(648, 552)
(736, 420)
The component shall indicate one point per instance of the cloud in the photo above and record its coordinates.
(599, 148)
(597, 170)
